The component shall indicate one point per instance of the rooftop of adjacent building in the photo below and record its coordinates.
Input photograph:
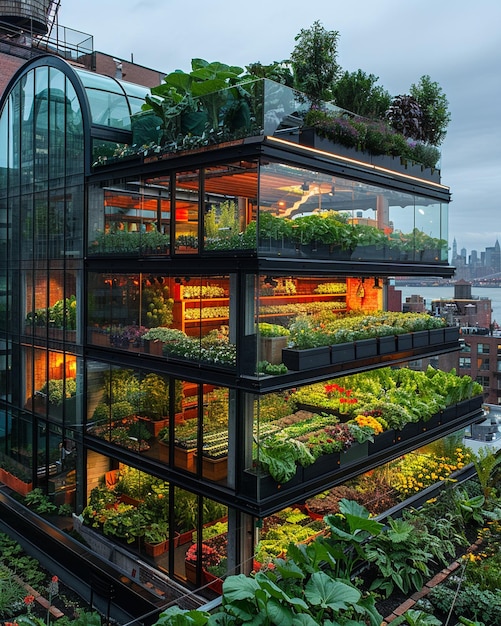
(21, 40)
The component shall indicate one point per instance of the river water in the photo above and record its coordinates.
(435, 293)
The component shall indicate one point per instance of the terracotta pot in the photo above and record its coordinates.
(155, 549)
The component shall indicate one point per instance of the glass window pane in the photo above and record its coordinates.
(230, 206)
(186, 216)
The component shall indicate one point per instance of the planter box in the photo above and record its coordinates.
(191, 572)
(100, 339)
(213, 582)
(420, 339)
(184, 459)
(382, 441)
(476, 403)
(186, 537)
(163, 451)
(325, 464)
(434, 421)
(298, 360)
(271, 349)
(404, 342)
(448, 414)
(263, 485)
(366, 348)
(153, 347)
(342, 352)
(373, 253)
(436, 336)
(15, 483)
(154, 426)
(125, 499)
(451, 333)
(387, 345)
(356, 452)
(469, 406)
(156, 549)
(412, 429)
(214, 469)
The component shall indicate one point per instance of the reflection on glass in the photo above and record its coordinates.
(229, 211)
(186, 212)
(310, 214)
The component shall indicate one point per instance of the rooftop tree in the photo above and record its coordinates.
(358, 93)
(314, 62)
(434, 107)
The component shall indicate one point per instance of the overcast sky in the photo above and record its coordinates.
(456, 42)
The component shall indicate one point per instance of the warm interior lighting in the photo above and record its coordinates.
(357, 162)
(377, 284)
(181, 215)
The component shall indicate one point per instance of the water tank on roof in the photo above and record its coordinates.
(25, 15)
(462, 290)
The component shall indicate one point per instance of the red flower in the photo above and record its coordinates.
(29, 600)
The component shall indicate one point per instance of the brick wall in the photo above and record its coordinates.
(131, 72)
(8, 66)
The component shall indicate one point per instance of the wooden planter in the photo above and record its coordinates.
(154, 426)
(191, 572)
(310, 358)
(154, 348)
(15, 483)
(186, 537)
(271, 349)
(156, 549)
(184, 459)
(214, 469)
(99, 339)
(213, 582)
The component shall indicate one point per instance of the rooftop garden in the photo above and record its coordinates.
(215, 103)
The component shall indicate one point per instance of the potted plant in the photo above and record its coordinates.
(155, 401)
(155, 538)
(273, 339)
(208, 557)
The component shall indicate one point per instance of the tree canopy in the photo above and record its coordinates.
(314, 62)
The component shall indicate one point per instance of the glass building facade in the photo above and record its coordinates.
(138, 299)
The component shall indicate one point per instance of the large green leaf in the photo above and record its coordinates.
(287, 568)
(275, 591)
(179, 80)
(207, 86)
(239, 587)
(279, 613)
(303, 619)
(174, 616)
(323, 591)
